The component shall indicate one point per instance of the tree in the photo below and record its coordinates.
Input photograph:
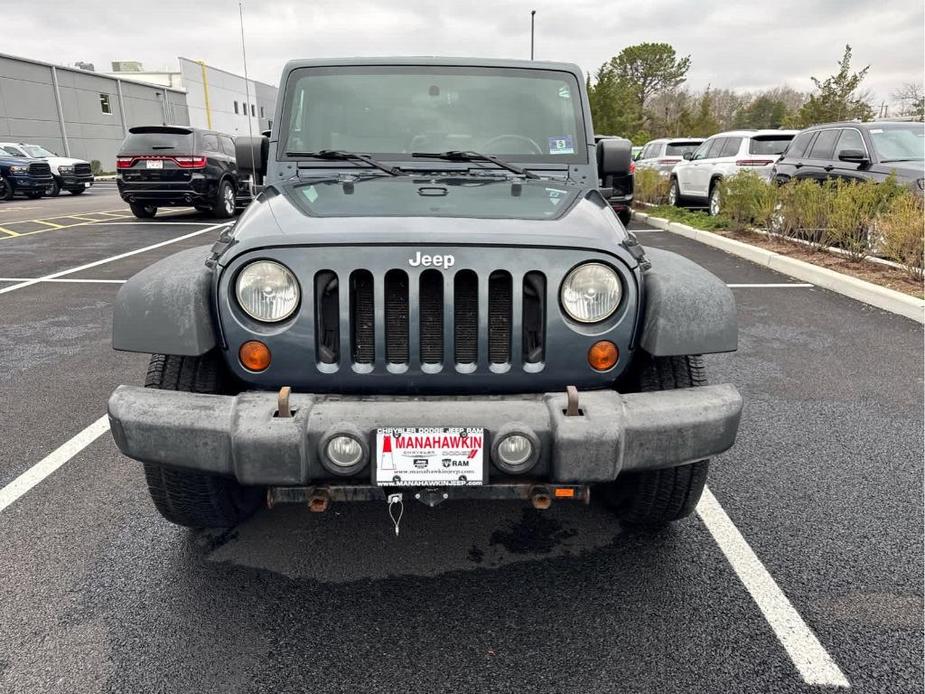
(649, 68)
(911, 101)
(836, 98)
(613, 109)
(701, 122)
(763, 112)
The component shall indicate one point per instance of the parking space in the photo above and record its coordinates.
(824, 485)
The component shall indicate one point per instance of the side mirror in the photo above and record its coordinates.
(252, 154)
(856, 156)
(688, 155)
(614, 157)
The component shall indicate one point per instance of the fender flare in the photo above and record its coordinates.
(687, 309)
(166, 308)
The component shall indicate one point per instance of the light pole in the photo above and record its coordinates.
(532, 15)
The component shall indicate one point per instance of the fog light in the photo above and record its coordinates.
(515, 450)
(254, 355)
(603, 355)
(344, 451)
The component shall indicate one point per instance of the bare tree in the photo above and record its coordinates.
(910, 100)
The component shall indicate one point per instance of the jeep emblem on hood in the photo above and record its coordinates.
(435, 260)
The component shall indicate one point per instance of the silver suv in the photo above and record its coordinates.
(663, 154)
(725, 154)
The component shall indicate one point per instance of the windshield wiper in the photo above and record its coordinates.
(887, 161)
(459, 155)
(341, 155)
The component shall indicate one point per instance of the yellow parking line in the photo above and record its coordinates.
(48, 224)
(57, 227)
(11, 233)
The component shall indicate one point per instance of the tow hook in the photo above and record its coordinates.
(571, 398)
(318, 501)
(540, 498)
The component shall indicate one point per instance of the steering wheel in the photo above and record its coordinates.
(520, 138)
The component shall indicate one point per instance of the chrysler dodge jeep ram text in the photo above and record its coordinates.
(431, 298)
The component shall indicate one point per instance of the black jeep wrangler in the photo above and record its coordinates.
(430, 299)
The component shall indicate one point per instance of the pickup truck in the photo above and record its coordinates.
(430, 299)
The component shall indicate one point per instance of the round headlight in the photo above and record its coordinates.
(591, 292)
(267, 291)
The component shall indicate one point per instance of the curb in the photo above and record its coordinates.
(852, 287)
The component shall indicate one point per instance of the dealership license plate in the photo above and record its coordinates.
(154, 164)
(429, 456)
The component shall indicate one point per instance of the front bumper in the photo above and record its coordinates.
(30, 183)
(241, 435)
(76, 180)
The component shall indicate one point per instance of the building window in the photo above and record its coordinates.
(235, 106)
(261, 111)
(105, 107)
(253, 110)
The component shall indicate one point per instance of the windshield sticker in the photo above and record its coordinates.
(561, 145)
(310, 193)
(876, 131)
(555, 195)
(565, 93)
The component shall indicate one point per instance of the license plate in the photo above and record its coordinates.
(154, 164)
(429, 457)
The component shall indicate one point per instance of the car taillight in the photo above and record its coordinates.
(124, 162)
(754, 162)
(190, 162)
(632, 168)
(673, 160)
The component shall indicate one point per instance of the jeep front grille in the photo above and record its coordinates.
(431, 319)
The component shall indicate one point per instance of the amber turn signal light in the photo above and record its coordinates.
(254, 355)
(603, 355)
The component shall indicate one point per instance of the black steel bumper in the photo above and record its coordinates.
(241, 435)
(76, 181)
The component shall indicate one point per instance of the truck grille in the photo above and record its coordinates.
(82, 169)
(39, 168)
(431, 319)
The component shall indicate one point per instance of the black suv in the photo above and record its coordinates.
(856, 151)
(167, 165)
(27, 176)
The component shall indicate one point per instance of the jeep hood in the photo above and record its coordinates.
(429, 210)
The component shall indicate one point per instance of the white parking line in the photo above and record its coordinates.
(151, 223)
(775, 285)
(808, 655)
(68, 279)
(52, 462)
(97, 263)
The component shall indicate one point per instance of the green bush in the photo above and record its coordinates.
(748, 200)
(902, 236)
(802, 211)
(650, 186)
(95, 167)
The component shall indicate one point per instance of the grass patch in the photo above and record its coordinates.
(696, 219)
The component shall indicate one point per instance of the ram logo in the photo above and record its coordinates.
(431, 260)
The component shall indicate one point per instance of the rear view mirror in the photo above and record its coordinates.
(614, 156)
(858, 156)
(688, 155)
(252, 154)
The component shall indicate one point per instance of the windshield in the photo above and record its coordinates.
(390, 112)
(899, 142)
(36, 151)
(679, 149)
(769, 145)
(13, 151)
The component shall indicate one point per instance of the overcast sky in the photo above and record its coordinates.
(742, 44)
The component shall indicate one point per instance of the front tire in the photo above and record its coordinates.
(6, 190)
(54, 190)
(656, 497)
(143, 211)
(674, 193)
(188, 497)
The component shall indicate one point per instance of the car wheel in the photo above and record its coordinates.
(143, 211)
(76, 191)
(715, 199)
(674, 193)
(657, 497)
(54, 190)
(6, 190)
(188, 497)
(224, 201)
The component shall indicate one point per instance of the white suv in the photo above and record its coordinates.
(723, 155)
(72, 175)
(664, 153)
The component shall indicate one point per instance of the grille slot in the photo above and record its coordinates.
(362, 317)
(466, 317)
(431, 312)
(534, 317)
(327, 318)
(500, 303)
(82, 169)
(396, 317)
(40, 168)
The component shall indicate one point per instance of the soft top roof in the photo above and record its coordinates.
(434, 60)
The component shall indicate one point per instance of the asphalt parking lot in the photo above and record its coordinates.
(824, 487)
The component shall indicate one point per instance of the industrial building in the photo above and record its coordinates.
(85, 114)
